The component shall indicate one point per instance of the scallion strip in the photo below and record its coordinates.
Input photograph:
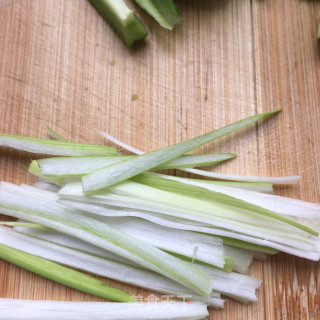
(63, 275)
(202, 191)
(18, 309)
(233, 177)
(126, 169)
(70, 166)
(237, 285)
(55, 216)
(54, 147)
(101, 266)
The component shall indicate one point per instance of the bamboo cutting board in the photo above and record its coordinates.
(61, 66)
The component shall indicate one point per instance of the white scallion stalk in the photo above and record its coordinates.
(294, 242)
(241, 258)
(54, 147)
(166, 221)
(100, 266)
(215, 175)
(61, 274)
(75, 243)
(126, 169)
(213, 214)
(23, 225)
(235, 285)
(46, 185)
(57, 217)
(17, 309)
(210, 249)
(120, 143)
(233, 177)
(68, 166)
(282, 205)
(264, 187)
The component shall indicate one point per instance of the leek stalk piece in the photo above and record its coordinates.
(122, 19)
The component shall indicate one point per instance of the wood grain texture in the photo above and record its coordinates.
(61, 66)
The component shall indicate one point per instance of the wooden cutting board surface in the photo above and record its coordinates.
(62, 66)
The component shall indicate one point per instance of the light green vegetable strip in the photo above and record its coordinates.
(63, 275)
(265, 187)
(247, 245)
(122, 19)
(196, 160)
(164, 11)
(126, 169)
(228, 261)
(138, 196)
(54, 135)
(35, 169)
(160, 182)
(70, 166)
(318, 34)
(235, 177)
(54, 147)
(50, 214)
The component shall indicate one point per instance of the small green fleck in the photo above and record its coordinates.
(134, 97)
(112, 62)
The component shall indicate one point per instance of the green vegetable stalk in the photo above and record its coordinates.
(122, 19)
(164, 11)
(63, 275)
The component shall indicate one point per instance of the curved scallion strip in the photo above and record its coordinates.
(120, 143)
(63, 275)
(126, 169)
(54, 147)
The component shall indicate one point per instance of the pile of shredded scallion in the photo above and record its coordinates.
(112, 215)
